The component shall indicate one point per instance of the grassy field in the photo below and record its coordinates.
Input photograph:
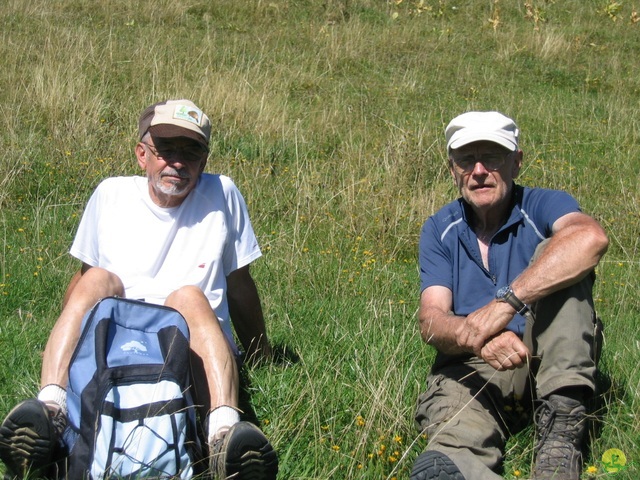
(329, 116)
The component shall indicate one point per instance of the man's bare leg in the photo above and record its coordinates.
(213, 356)
(31, 432)
(94, 284)
(237, 449)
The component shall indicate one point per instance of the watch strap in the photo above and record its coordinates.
(515, 302)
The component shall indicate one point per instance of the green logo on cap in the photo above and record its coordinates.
(189, 114)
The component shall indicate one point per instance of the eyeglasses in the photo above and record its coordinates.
(491, 161)
(189, 153)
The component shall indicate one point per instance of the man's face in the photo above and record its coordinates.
(484, 173)
(173, 166)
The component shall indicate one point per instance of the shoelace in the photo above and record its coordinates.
(556, 432)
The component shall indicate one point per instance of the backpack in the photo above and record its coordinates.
(130, 410)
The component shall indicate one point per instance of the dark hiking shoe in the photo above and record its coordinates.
(29, 437)
(243, 453)
(432, 465)
(561, 424)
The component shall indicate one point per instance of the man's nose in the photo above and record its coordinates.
(175, 160)
(479, 168)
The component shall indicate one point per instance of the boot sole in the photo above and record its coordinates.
(435, 465)
(248, 454)
(27, 439)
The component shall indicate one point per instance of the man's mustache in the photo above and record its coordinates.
(171, 172)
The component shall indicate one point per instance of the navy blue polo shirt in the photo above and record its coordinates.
(449, 255)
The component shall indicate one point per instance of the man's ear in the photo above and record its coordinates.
(141, 156)
(452, 171)
(517, 165)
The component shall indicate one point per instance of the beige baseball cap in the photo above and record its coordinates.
(482, 126)
(175, 118)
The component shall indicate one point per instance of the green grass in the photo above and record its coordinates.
(329, 116)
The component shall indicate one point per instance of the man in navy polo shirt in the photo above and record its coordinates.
(506, 278)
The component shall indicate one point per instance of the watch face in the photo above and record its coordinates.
(500, 294)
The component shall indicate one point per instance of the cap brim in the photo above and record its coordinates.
(471, 137)
(164, 130)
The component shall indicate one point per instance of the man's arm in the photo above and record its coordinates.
(448, 333)
(437, 324)
(246, 314)
(577, 244)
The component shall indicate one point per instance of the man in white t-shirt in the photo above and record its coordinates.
(177, 237)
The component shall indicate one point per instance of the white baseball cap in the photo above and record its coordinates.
(482, 126)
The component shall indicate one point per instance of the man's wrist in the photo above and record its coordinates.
(506, 295)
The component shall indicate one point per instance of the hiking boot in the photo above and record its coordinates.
(432, 465)
(561, 424)
(243, 453)
(29, 437)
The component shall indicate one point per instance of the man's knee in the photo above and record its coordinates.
(108, 283)
(193, 304)
(186, 293)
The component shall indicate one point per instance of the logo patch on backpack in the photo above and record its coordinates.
(134, 347)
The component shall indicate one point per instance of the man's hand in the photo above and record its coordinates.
(505, 351)
(247, 317)
(259, 352)
(479, 326)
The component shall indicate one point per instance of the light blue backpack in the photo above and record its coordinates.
(131, 413)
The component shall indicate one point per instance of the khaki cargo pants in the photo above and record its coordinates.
(469, 410)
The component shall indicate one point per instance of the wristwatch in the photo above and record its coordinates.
(505, 294)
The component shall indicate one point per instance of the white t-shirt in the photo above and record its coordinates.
(156, 250)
